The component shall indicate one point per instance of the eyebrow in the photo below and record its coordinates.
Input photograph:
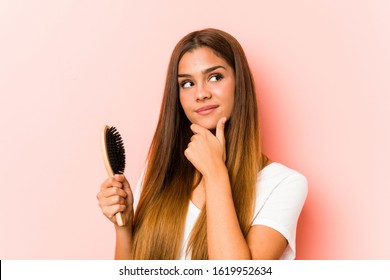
(208, 70)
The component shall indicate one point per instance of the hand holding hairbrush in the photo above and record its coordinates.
(114, 157)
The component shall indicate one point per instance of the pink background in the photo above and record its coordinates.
(68, 67)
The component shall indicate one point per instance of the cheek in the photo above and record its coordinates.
(228, 97)
(184, 102)
(230, 107)
(232, 94)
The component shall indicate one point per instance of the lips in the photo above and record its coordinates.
(206, 109)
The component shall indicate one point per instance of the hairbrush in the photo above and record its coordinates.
(114, 157)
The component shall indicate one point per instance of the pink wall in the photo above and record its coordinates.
(68, 67)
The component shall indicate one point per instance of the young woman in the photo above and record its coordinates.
(207, 191)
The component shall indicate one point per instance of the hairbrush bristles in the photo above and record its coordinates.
(115, 150)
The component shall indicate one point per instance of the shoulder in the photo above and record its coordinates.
(280, 186)
(278, 170)
(277, 175)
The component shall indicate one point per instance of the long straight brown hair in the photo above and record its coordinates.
(169, 179)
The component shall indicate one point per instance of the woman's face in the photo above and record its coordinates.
(206, 84)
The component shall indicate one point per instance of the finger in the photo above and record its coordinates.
(114, 191)
(108, 192)
(193, 139)
(220, 131)
(197, 129)
(116, 199)
(109, 183)
(110, 211)
(126, 185)
(187, 153)
(122, 178)
(112, 200)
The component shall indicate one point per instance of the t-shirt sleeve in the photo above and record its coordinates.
(282, 208)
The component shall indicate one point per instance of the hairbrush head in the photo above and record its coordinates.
(114, 151)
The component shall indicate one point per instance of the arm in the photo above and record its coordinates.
(123, 243)
(224, 236)
(265, 243)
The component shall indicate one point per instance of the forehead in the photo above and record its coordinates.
(200, 59)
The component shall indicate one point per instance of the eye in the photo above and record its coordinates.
(215, 78)
(186, 84)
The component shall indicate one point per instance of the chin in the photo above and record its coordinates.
(210, 125)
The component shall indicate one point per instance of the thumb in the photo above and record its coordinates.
(122, 178)
(220, 130)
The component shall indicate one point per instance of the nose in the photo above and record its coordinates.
(202, 93)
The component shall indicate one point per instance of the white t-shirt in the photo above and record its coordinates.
(280, 196)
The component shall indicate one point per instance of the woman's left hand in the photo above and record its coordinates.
(207, 151)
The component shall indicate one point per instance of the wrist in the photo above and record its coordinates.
(218, 171)
(126, 227)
